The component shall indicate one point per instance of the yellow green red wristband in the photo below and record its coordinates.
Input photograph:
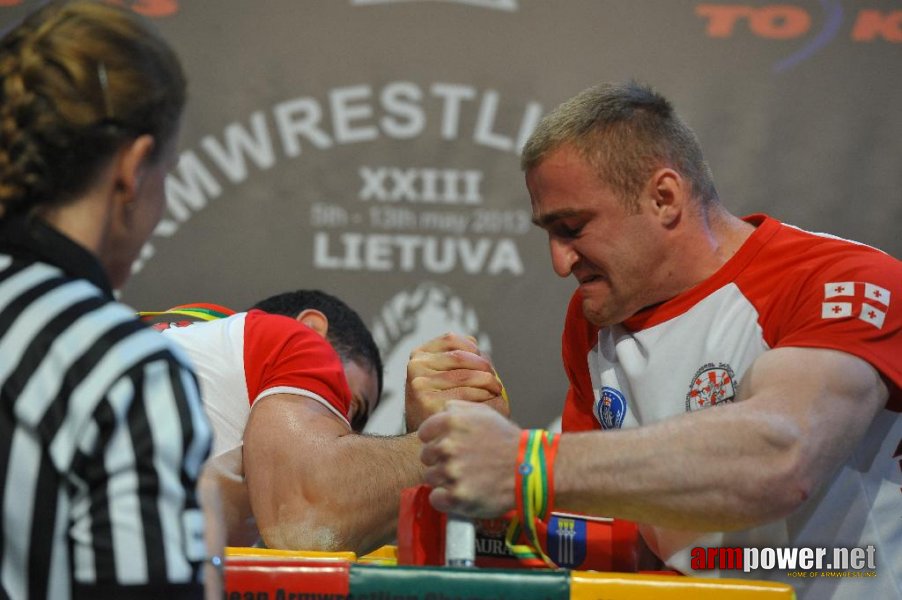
(533, 493)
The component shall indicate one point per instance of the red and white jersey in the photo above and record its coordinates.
(248, 356)
(785, 287)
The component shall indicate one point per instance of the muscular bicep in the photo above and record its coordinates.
(283, 440)
(820, 402)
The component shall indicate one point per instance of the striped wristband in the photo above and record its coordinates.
(534, 494)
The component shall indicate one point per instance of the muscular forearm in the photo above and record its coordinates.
(314, 485)
(732, 466)
(669, 474)
(348, 500)
(727, 467)
(703, 472)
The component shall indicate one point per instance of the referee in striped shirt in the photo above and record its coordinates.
(102, 433)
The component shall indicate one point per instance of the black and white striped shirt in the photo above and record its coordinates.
(102, 434)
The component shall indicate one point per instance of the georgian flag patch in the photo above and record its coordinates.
(866, 301)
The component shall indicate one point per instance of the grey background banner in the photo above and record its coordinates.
(369, 148)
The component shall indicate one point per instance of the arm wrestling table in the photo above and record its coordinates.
(603, 567)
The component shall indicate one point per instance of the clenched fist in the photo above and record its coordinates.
(449, 367)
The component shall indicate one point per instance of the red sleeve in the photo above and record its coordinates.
(282, 355)
(852, 304)
(579, 338)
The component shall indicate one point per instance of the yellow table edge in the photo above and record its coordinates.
(586, 585)
(386, 555)
(264, 553)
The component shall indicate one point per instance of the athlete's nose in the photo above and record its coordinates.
(563, 256)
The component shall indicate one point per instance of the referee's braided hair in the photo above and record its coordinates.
(77, 80)
(347, 332)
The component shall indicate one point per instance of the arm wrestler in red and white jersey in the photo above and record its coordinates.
(288, 389)
(747, 374)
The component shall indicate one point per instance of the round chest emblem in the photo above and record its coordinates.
(712, 385)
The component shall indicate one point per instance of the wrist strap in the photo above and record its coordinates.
(534, 494)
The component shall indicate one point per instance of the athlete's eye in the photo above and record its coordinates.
(566, 231)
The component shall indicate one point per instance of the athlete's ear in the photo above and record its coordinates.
(667, 190)
(315, 320)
